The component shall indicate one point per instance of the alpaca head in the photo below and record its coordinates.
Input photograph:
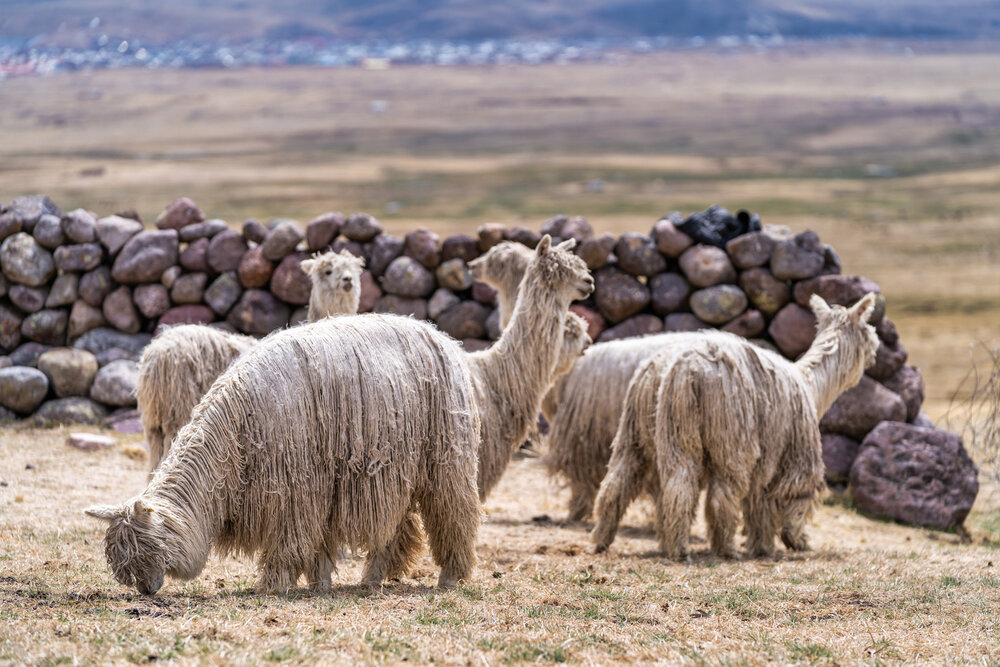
(576, 340)
(334, 274)
(850, 326)
(559, 271)
(503, 265)
(139, 545)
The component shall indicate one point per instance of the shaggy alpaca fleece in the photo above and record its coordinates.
(502, 268)
(723, 413)
(318, 437)
(181, 363)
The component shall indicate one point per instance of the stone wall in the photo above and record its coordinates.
(81, 295)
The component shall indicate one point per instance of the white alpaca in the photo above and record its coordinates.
(723, 413)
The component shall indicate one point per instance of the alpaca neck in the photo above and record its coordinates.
(512, 377)
(830, 366)
(324, 304)
(507, 299)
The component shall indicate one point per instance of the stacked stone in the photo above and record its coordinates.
(105, 286)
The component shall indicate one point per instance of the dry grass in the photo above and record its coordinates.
(871, 592)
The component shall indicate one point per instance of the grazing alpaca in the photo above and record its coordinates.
(318, 437)
(181, 363)
(723, 413)
(502, 268)
(511, 377)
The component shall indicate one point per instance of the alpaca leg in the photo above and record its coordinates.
(722, 514)
(794, 514)
(581, 502)
(624, 481)
(677, 503)
(274, 575)
(452, 514)
(759, 519)
(320, 572)
(396, 558)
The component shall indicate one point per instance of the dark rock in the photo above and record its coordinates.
(80, 226)
(289, 283)
(715, 225)
(223, 293)
(354, 247)
(188, 289)
(258, 313)
(254, 271)
(10, 327)
(670, 240)
(489, 235)
(82, 318)
(454, 275)
(408, 278)
(439, 302)
(923, 420)
(749, 325)
(46, 326)
(859, 409)
(22, 389)
(887, 332)
(909, 384)
(25, 261)
(48, 232)
(27, 354)
(793, 330)
(750, 250)
(798, 258)
(637, 254)
(888, 361)
(28, 299)
(5, 414)
(24, 212)
(424, 246)
(180, 213)
(766, 293)
(706, 265)
(189, 314)
(361, 227)
(95, 286)
(523, 235)
(397, 305)
(115, 354)
(618, 295)
(71, 410)
(151, 299)
(839, 453)
(577, 227)
(683, 322)
(70, 371)
(321, 231)
(114, 232)
(459, 246)
(718, 304)
(280, 241)
(831, 261)
(99, 340)
(145, 257)
(471, 345)
(483, 293)
(80, 257)
(299, 316)
(597, 250)
(9, 225)
(382, 250)
(225, 251)
(202, 230)
(839, 290)
(595, 323)
(120, 312)
(370, 292)
(115, 383)
(493, 330)
(65, 290)
(638, 325)
(466, 319)
(195, 256)
(129, 213)
(915, 475)
(554, 226)
(254, 231)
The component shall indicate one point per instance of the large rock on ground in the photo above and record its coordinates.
(637, 254)
(718, 304)
(798, 258)
(289, 282)
(115, 383)
(439, 302)
(27, 354)
(793, 330)
(71, 410)
(637, 325)
(618, 295)
(178, 214)
(145, 257)
(258, 313)
(281, 241)
(70, 371)
(489, 235)
(839, 453)
(909, 384)
(321, 231)
(22, 389)
(859, 409)
(706, 265)
(750, 250)
(254, 231)
(407, 277)
(916, 475)
(361, 227)
(26, 262)
(766, 293)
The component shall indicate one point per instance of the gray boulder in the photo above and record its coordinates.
(145, 257)
(71, 410)
(26, 262)
(71, 372)
(706, 265)
(80, 226)
(618, 295)
(46, 326)
(718, 304)
(115, 383)
(114, 231)
(22, 389)
(859, 409)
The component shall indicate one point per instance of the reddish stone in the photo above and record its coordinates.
(180, 213)
(254, 271)
(225, 251)
(793, 330)
(595, 323)
(195, 256)
(189, 314)
(289, 283)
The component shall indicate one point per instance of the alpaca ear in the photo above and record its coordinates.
(308, 266)
(142, 510)
(568, 244)
(819, 306)
(544, 245)
(103, 512)
(863, 309)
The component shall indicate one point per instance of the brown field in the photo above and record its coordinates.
(892, 158)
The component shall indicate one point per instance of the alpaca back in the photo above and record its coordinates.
(175, 371)
(324, 433)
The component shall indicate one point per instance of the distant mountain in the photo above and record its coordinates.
(77, 22)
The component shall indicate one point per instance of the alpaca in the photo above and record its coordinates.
(725, 414)
(318, 437)
(181, 363)
(510, 378)
(502, 268)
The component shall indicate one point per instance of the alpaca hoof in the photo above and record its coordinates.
(800, 543)
(600, 548)
(447, 582)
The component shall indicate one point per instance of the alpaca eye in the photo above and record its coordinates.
(328, 272)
